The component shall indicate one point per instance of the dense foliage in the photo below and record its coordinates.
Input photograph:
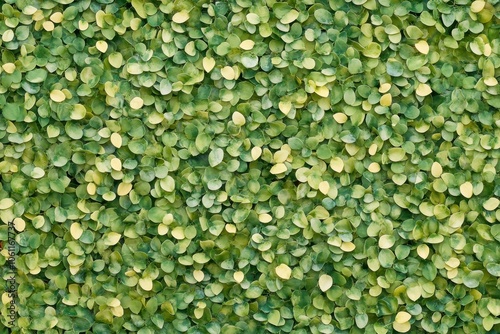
(251, 166)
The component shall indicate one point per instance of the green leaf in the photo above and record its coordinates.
(323, 16)
(13, 112)
(215, 157)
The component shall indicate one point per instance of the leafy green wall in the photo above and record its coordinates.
(251, 166)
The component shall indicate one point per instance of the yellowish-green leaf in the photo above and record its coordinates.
(180, 17)
(208, 64)
(491, 204)
(337, 164)
(422, 47)
(116, 140)
(423, 89)
(436, 169)
(76, 230)
(466, 189)
(239, 276)
(278, 169)
(386, 100)
(6, 203)
(136, 103)
(57, 95)
(238, 118)
(283, 271)
(325, 282)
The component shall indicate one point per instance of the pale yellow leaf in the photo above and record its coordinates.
(325, 282)
(76, 230)
(422, 47)
(466, 189)
(278, 169)
(239, 276)
(238, 118)
(116, 140)
(283, 271)
(180, 17)
(208, 64)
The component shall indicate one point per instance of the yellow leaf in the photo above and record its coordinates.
(146, 283)
(91, 189)
(116, 140)
(231, 228)
(198, 275)
(373, 149)
(278, 169)
(79, 112)
(238, 118)
(102, 46)
(402, 317)
(423, 90)
(491, 204)
(178, 233)
(113, 302)
(491, 81)
(112, 238)
(208, 64)
(228, 73)
(384, 88)
(76, 230)
(324, 187)
(280, 156)
(247, 44)
(466, 189)
(347, 246)
(453, 262)
(48, 25)
(337, 164)
(57, 95)
(477, 6)
(283, 271)
(414, 292)
(322, 91)
(386, 100)
(180, 17)
(123, 189)
(309, 64)
(401, 328)
(9, 67)
(256, 152)
(423, 251)
(162, 229)
(325, 282)
(6, 203)
(374, 167)
(117, 311)
(19, 224)
(285, 107)
(116, 164)
(265, 218)
(239, 276)
(57, 17)
(422, 47)
(136, 103)
(386, 242)
(340, 117)
(198, 313)
(436, 169)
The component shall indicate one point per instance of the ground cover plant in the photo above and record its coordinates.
(250, 166)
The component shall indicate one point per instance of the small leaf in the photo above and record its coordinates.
(325, 282)
(283, 271)
(180, 17)
(466, 189)
(215, 157)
